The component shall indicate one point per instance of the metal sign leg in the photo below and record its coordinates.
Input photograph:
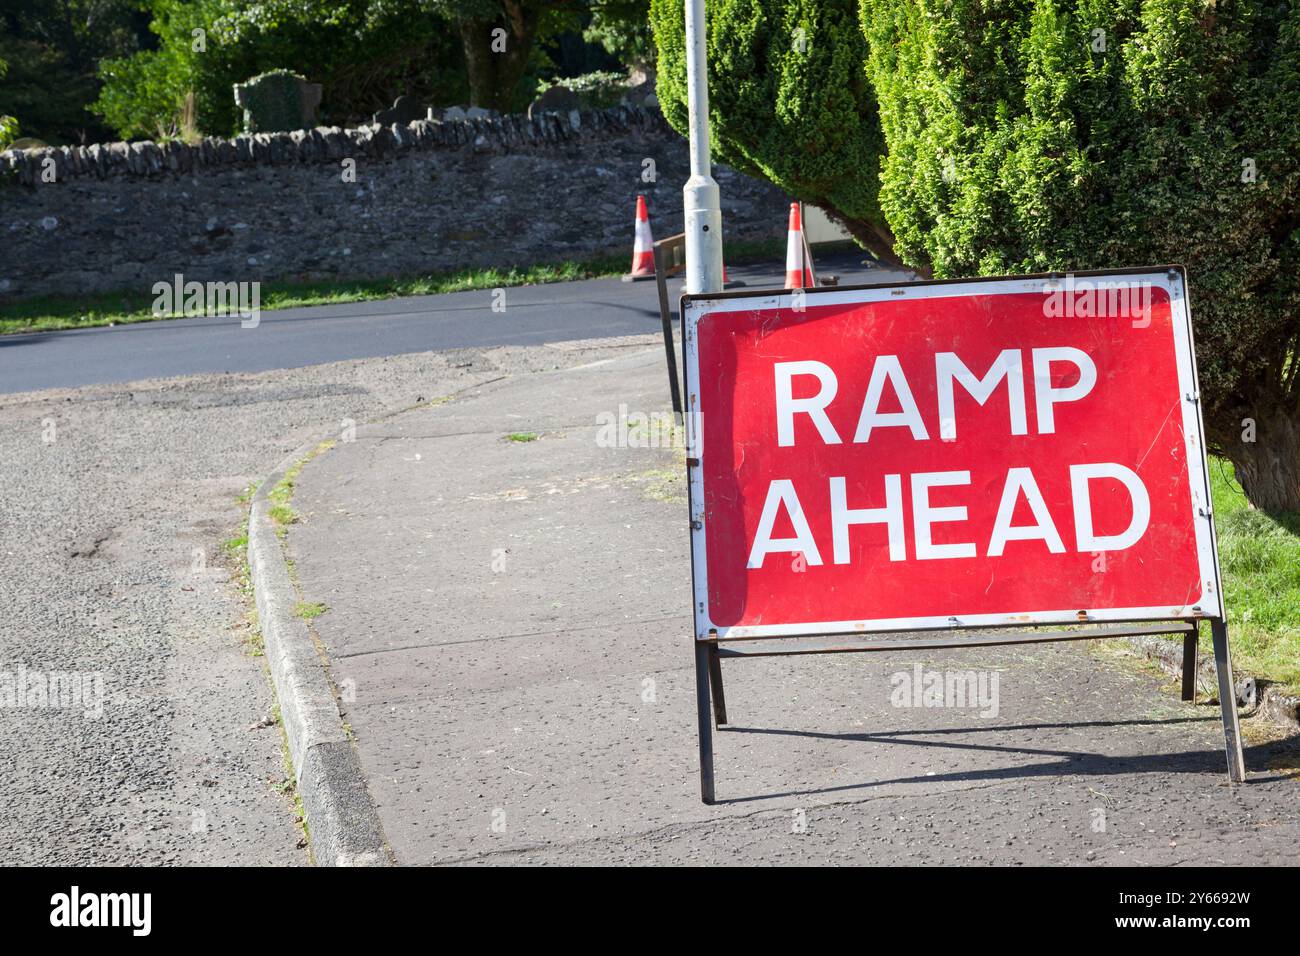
(1228, 702)
(702, 678)
(1189, 665)
(715, 680)
(667, 322)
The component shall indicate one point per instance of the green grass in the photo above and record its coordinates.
(521, 437)
(282, 515)
(55, 312)
(309, 610)
(254, 642)
(236, 551)
(281, 496)
(1260, 556)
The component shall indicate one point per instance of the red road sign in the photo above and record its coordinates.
(974, 453)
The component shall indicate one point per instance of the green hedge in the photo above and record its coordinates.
(1032, 135)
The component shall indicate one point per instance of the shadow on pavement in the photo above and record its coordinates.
(1071, 762)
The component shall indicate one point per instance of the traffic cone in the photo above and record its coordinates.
(643, 246)
(798, 268)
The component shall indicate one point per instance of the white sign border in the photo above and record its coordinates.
(1209, 604)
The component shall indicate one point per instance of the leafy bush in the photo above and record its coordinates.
(595, 90)
(1032, 135)
(9, 132)
(622, 28)
(143, 94)
(8, 124)
(52, 48)
(365, 53)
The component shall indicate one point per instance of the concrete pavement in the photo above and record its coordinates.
(509, 624)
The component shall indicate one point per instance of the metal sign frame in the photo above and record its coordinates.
(670, 259)
(714, 642)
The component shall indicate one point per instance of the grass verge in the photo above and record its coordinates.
(59, 312)
(1260, 557)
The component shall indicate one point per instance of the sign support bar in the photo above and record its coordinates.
(669, 255)
(1228, 701)
(1189, 666)
(702, 709)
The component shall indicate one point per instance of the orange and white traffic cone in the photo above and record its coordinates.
(643, 246)
(798, 264)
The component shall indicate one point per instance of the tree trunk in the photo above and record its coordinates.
(1268, 468)
(1265, 454)
(494, 74)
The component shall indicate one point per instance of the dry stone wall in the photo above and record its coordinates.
(407, 199)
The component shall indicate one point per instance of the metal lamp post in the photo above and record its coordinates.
(700, 194)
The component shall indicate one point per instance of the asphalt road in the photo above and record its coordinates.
(294, 338)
